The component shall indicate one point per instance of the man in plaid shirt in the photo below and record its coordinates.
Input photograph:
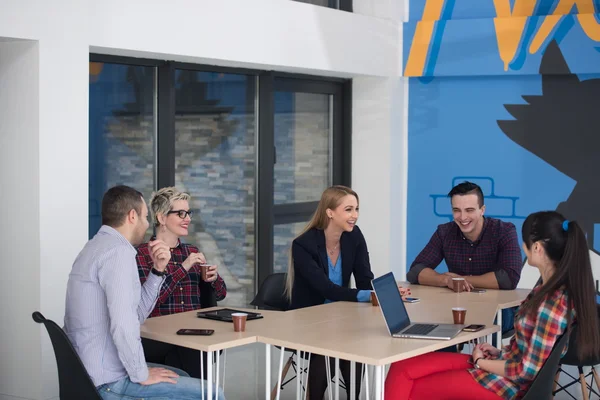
(484, 251)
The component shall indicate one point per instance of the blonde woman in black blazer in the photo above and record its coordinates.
(324, 256)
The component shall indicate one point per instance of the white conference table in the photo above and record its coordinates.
(349, 331)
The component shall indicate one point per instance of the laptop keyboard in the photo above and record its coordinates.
(419, 329)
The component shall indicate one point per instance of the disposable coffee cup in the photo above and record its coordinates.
(458, 284)
(204, 270)
(459, 314)
(239, 321)
(374, 301)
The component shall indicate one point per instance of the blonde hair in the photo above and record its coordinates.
(330, 199)
(162, 201)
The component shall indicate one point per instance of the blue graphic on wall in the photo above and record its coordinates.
(515, 114)
(504, 207)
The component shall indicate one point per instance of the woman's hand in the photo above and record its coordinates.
(211, 273)
(404, 291)
(489, 351)
(477, 353)
(194, 258)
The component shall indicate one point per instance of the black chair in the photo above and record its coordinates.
(542, 386)
(571, 358)
(271, 296)
(73, 380)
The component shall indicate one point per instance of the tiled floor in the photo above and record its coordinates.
(245, 378)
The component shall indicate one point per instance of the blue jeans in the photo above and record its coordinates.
(186, 388)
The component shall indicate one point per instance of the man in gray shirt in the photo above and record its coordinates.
(106, 304)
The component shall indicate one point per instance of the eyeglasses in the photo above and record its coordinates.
(182, 213)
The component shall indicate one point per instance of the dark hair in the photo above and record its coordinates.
(467, 188)
(569, 250)
(117, 202)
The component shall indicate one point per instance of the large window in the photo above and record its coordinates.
(254, 150)
(122, 131)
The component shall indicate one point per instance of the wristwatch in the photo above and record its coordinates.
(476, 361)
(157, 272)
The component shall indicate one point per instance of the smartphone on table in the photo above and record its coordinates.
(473, 328)
(196, 332)
(411, 299)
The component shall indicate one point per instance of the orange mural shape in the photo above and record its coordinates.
(509, 26)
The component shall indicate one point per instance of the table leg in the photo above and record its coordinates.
(307, 372)
(202, 375)
(352, 380)
(268, 372)
(280, 372)
(328, 369)
(218, 369)
(224, 367)
(337, 378)
(379, 382)
(367, 391)
(209, 373)
(299, 360)
(499, 334)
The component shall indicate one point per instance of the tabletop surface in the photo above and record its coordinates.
(351, 331)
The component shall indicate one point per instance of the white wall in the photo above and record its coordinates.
(20, 243)
(48, 208)
(45, 139)
(380, 150)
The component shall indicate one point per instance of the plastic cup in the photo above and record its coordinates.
(459, 314)
(458, 284)
(374, 301)
(239, 321)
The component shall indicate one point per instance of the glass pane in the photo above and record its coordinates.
(215, 161)
(122, 132)
(283, 235)
(302, 142)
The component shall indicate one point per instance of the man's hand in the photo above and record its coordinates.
(160, 254)
(194, 258)
(158, 375)
(466, 286)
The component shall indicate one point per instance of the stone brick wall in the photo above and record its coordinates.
(216, 164)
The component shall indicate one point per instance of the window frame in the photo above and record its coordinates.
(267, 214)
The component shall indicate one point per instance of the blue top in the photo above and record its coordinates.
(335, 276)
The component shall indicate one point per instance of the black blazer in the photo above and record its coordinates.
(311, 271)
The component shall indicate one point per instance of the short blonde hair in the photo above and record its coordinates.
(162, 201)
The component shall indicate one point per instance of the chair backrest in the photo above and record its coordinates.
(270, 296)
(572, 355)
(73, 380)
(541, 388)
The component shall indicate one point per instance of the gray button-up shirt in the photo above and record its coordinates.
(105, 306)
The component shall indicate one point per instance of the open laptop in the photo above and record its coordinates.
(396, 316)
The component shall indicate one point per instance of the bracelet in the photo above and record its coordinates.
(476, 361)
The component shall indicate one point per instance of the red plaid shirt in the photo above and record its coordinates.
(181, 289)
(529, 348)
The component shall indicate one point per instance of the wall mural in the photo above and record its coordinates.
(504, 93)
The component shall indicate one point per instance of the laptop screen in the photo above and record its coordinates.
(391, 304)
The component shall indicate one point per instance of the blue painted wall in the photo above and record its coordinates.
(458, 95)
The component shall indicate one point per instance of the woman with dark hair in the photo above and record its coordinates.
(565, 292)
